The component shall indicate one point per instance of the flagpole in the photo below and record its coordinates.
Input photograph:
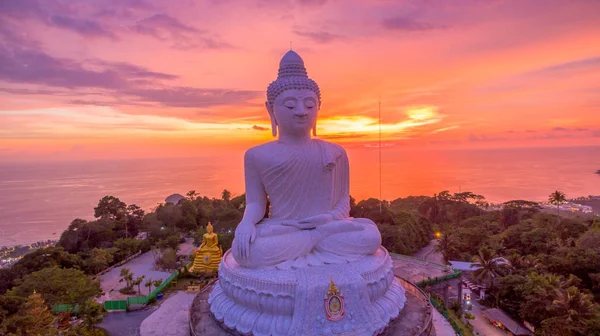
(380, 184)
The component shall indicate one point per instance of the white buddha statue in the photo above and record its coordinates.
(306, 181)
(308, 268)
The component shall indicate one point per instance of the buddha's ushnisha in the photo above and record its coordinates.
(306, 181)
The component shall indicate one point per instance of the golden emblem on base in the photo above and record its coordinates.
(334, 303)
(208, 256)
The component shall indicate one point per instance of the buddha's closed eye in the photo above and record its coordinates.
(290, 104)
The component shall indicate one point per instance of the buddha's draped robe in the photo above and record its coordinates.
(210, 242)
(304, 181)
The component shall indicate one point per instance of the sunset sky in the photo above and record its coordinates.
(149, 78)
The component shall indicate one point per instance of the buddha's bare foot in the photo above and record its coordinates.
(339, 227)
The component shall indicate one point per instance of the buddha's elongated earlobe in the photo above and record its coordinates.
(314, 130)
(272, 117)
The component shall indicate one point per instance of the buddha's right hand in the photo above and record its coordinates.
(245, 233)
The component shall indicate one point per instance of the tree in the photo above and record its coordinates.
(149, 284)
(191, 195)
(157, 283)
(570, 309)
(557, 198)
(126, 247)
(93, 312)
(34, 318)
(226, 196)
(168, 259)
(44, 258)
(135, 218)
(59, 286)
(489, 268)
(99, 259)
(189, 213)
(71, 238)
(127, 276)
(110, 207)
(138, 282)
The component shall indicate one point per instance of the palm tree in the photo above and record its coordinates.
(138, 282)
(149, 284)
(571, 309)
(127, 276)
(157, 282)
(557, 198)
(489, 267)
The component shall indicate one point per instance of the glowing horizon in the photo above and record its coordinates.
(136, 78)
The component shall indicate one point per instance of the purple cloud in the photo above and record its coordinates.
(407, 24)
(587, 63)
(193, 97)
(184, 37)
(84, 27)
(316, 3)
(30, 66)
(126, 84)
(321, 37)
(18, 10)
(134, 71)
(483, 138)
(160, 25)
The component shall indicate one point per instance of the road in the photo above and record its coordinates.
(125, 323)
(428, 253)
(481, 326)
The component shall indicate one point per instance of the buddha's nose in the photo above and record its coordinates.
(300, 112)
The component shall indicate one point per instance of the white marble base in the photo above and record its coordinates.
(291, 302)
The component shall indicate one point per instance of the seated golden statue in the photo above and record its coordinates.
(208, 256)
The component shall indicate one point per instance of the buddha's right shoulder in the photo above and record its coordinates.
(260, 150)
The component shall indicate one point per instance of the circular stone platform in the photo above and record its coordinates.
(412, 319)
(301, 301)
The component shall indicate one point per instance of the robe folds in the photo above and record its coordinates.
(303, 181)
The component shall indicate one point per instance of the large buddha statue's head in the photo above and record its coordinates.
(293, 100)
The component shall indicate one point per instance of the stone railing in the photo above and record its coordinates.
(195, 303)
(410, 287)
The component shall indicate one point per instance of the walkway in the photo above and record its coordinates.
(125, 323)
(441, 325)
(142, 265)
(171, 318)
(428, 253)
(481, 326)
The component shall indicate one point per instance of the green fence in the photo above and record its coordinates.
(164, 284)
(115, 305)
(137, 300)
(435, 280)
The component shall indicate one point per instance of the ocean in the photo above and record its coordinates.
(39, 200)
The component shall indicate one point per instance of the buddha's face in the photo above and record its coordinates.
(209, 229)
(295, 111)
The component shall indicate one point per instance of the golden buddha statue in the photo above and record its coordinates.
(208, 256)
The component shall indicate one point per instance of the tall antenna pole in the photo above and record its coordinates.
(380, 194)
